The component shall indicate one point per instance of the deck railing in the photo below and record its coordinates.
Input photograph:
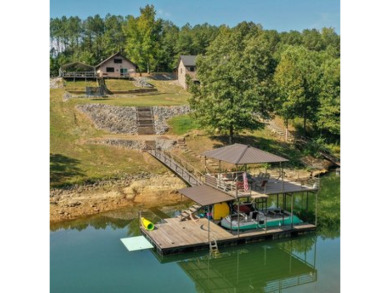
(228, 184)
(78, 74)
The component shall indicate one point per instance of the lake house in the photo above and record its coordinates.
(186, 66)
(116, 66)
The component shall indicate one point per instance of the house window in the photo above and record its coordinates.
(110, 69)
(181, 70)
(192, 68)
(117, 60)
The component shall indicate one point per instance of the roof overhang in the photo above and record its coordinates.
(205, 195)
(240, 154)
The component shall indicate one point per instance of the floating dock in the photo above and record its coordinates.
(189, 232)
(175, 236)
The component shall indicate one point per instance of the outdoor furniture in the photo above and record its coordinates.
(261, 184)
(221, 184)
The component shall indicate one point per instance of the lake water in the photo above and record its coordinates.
(88, 256)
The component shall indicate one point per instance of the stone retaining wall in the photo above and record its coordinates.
(117, 119)
(162, 114)
(111, 118)
(163, 144)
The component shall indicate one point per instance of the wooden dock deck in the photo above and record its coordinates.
(175, 236)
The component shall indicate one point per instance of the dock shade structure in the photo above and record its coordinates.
(241, 154)
(77, 70)
(205, 195)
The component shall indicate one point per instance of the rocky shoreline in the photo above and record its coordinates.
(146, 190)
(83, 200)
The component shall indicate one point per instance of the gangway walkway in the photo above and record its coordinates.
(182, 171)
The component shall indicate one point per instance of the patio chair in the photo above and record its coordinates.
(261, 184)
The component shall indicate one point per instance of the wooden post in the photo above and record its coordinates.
(315, 223)
(238, 209)
(208, 223)
(292, 210)
(282, 176)
(307, 200)
(238, 218)
(315, 252)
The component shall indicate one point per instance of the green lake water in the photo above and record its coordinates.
(88, 256)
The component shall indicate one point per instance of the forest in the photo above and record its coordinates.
(242, 70)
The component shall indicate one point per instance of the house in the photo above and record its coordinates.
(116, 66)
(185, 67)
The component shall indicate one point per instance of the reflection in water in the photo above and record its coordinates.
(268, 267)
(87, 256)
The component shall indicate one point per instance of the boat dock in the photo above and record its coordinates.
(189, 232)
(175, 236)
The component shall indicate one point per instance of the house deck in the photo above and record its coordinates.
(175, 236)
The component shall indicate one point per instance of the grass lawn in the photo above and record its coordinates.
(79, 85)
(120, 84)
(199, 142)
(182, 124)
(73, 161)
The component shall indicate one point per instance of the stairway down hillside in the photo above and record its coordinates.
(145, 120)
(103, 86)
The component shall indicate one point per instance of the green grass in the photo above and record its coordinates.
(120, 85)
(79, 85)
(74, 161)
(150, 99)
(182, 124)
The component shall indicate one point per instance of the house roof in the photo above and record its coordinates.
(77, 65)
(205, 195)
(114, 55)
(188, 60)
(240, 154)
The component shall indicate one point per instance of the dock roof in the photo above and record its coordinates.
(240, 154)
(205, 195)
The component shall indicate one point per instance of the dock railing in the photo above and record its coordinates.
(182, 168)
(228, 182)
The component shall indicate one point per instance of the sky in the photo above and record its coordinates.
(280, 15)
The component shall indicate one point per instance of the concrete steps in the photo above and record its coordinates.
(145, 120)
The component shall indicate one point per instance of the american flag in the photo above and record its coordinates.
(246, 186)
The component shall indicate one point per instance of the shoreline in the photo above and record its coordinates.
(146, 190)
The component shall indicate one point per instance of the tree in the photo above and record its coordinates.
(167, 58)
(313, 40)
(232, 78)
(297, 77)
(143, 38)
(94, 30)
(328, 116)
(113, 38)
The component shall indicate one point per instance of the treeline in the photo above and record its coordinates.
(152, 43)
(242, 70)
(248, 70)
